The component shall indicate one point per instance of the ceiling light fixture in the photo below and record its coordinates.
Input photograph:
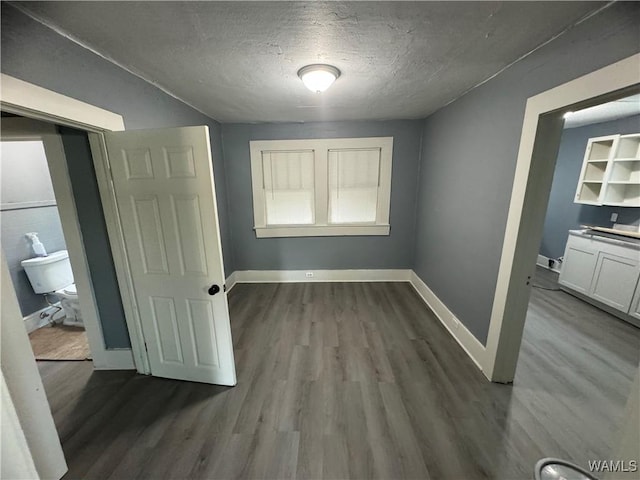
(318, 77)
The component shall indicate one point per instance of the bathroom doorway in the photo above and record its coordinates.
(33, 242)
(37, 197)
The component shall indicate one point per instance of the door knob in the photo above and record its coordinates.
(214, 289)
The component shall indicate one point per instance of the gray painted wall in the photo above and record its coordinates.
(393, 251)
(14, 224)
(25, 178)
(36, 54)
(469, 156)
(562, 213)
(95, 237)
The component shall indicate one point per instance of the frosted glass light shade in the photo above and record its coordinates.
(318, 77)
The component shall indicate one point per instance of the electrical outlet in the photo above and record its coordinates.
(614, 217)
(309, 274)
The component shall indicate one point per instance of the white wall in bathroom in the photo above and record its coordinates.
(27, 204)
(24, 179)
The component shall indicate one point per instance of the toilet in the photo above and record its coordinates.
(52, 275)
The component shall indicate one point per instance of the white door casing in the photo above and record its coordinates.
(163, 181)
(531, 185)
(26, 129)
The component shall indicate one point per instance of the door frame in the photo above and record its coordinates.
(539, 141)
(26, 129)
(31, 101)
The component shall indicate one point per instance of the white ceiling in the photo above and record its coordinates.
(625, 107)
(237, 61)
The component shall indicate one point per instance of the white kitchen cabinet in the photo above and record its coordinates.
(610, 172)
(614, 280)
(595, 169)
(578, 265)
(605, 271)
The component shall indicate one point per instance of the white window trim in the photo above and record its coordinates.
(322, 227)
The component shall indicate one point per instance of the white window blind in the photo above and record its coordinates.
(288, 179)
(354, 176)
(321, 187)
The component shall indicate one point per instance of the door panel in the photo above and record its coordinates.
(149, 234)
(189, 234)
(614, 280)
(165, 194)
(578, 267)
(634, 311)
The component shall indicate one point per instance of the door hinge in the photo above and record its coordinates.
(146, 349)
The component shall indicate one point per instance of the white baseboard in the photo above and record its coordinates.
(544, 263)
(231, 281)
(117, 359)
(300, 276)
(458, 331)
(33, 321)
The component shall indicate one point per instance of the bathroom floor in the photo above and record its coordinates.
(60, 342)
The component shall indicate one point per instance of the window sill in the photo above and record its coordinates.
(322, 231)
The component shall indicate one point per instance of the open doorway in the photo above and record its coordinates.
(539, 142)
(580, 338)
(89, 127)
(154, 198)
(594, 203)
(585, 296)
(34, 245)
(46, 193)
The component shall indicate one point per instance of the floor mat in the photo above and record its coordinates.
(60, 342)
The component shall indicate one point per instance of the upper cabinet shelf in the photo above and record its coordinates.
(610, 172)
(628, 147)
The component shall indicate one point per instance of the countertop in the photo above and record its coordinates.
(608, 238)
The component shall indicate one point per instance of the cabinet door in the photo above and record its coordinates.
(578, 266)
(614, 280)
(634, 311)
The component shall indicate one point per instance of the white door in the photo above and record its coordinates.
(165, 195)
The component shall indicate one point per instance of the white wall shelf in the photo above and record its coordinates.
(610, 172)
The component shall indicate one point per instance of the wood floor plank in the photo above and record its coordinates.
(335, 460)
(400, 425)
(355, 380)
(312, 423)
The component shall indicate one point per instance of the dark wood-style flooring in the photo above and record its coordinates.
(360, 381)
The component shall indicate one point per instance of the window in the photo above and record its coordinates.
(323, 187)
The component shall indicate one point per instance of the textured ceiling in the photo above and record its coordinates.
(237, 61)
